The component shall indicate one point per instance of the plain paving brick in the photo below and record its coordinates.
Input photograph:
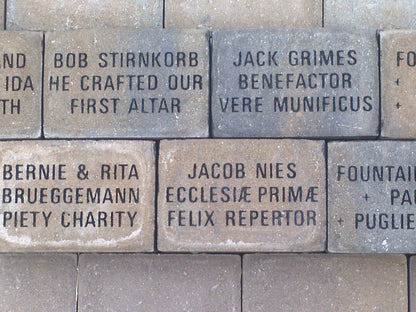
(398, 98)
(20, 84)
(126, 83)
(412, 282)
(326, 283)
(241, 195)
(159, 283)
(74, 14)
(371, 197)
(294, 83)
(243, 14)
(36, 282)
(77, 196)
(360, 14)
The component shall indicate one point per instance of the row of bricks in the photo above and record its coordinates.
(47, 15)
(212, 196)
(140, 282)
(322, 84)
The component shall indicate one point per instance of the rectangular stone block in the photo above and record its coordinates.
(241, 196)
(74, 14)
(412, 282)
(159, 283)
(38, 282)
(294, 83)
(398, 97)
(243, 14)
(126, 83)
(360, 14)
(371, 197)
(326, 283)
(77, 196)
(20, 84)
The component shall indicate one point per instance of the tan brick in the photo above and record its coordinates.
(74, 14)
(241, 195)
(360, 14)
(77, 196)
(126, 83)
(35, 282)
(243, 14)
(325, 283)
(148, 283)
(20, 84)
(398, 95)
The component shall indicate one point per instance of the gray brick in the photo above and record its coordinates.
(326, 283)
(275, 83)
(74, 14)
(243, 14)
(371, 197)
(35, 282)
(159, 283)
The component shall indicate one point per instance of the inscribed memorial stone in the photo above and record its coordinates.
(77, 196)
(324, 283)
(74, 14)
(398, 72)
(294, 83)
(243, 14)
(126, 83)
(241, 196)
(372, 197)
(20, 84)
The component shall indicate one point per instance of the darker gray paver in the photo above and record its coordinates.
(35, 282)
(327, 283)
(294, 83)
(371, 197)
(159, 283)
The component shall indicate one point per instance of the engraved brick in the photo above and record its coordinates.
(398, 97)
(74, 14)
(20, 84)
(294, 83)
(126, 83)
(243, 14)
(324, 283)
(38, 282)
(371, 197)
(241, 195)
(77, 196)
(2, 10)
(159, 283)
(359, 14)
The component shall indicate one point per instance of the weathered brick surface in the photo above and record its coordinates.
(159, 283)
(294, 83)
(241, 195)
(74, 14)
(35, 282)
(362, 14)
(326, 283)
(126, 83)
(398, 96)
(20, 84)
(243, 14)
(371, 197)
(77, 196)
